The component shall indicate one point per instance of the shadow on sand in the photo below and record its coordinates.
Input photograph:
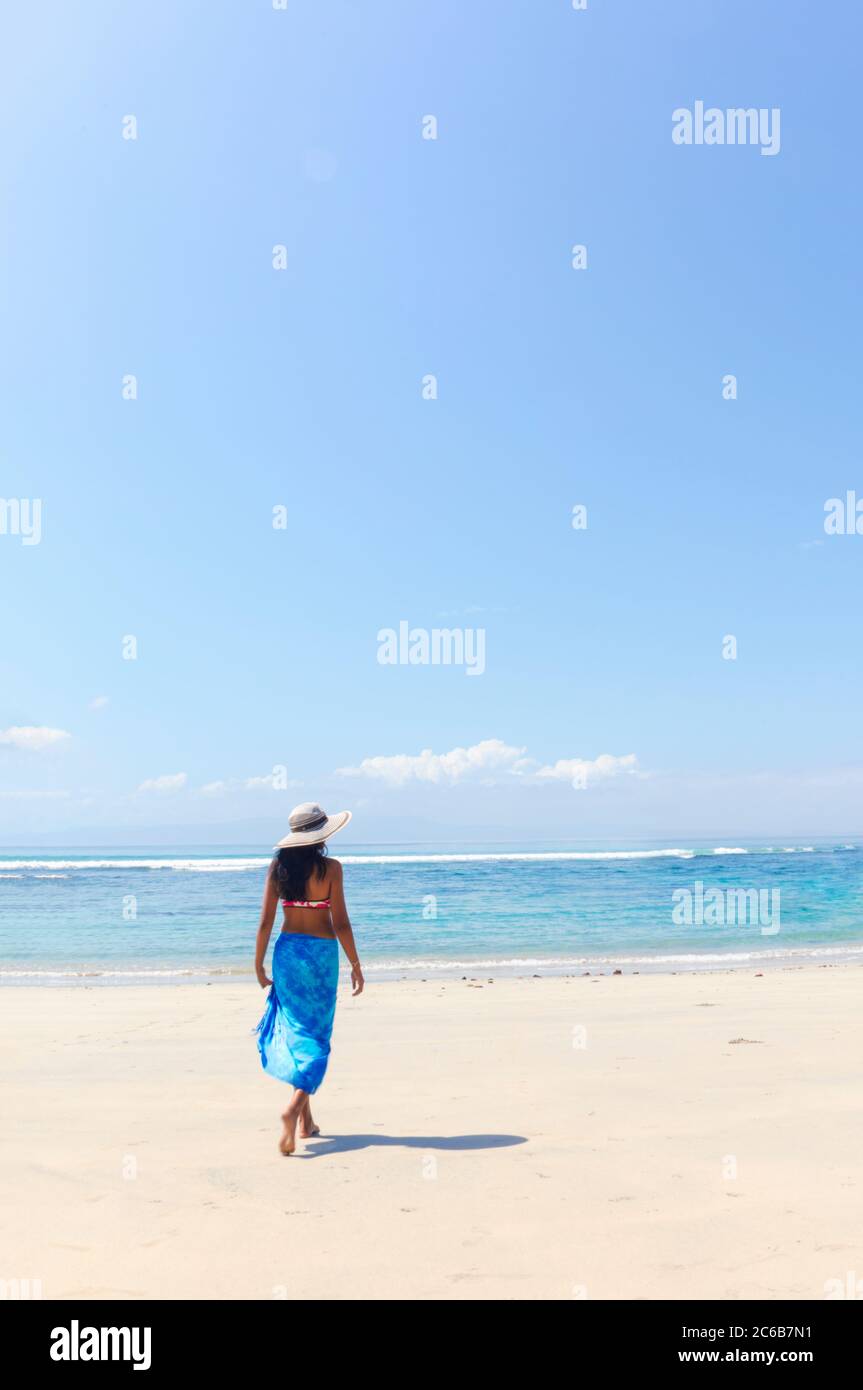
(346, 1143)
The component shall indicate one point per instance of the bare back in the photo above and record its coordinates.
(318, 921)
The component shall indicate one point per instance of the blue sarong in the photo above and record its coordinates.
(294, 1033)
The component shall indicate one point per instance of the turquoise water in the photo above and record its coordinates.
(134, 916)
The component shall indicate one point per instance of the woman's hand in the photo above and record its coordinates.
(357, 981)
(263, 978)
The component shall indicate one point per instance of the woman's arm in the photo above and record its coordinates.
(342, 925)
(265, 927)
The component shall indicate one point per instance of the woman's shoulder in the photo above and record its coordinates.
(334, 867)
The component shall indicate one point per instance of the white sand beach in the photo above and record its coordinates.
(704, 1141)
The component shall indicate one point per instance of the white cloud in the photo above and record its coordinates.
(214, 789)
(480, 760)
(484, 761)
(99, 702)
(32, 738)
(589, 770)
(171, 782)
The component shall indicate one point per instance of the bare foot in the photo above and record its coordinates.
(308, 1128)
(287, 1143)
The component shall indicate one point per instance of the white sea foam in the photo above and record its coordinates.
(503, 965)
(110, 974)
(683, 958)
(212, 866)
(520, 856)
(216, 865)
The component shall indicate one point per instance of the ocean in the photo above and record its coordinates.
(163, 916)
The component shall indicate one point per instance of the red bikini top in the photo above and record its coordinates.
(322, 902)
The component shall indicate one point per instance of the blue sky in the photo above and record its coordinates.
(257, 648)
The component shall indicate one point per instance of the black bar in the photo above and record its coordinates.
(259, 1337)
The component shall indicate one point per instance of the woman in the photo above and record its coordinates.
(294, 1033)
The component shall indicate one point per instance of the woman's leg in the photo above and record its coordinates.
(308, 1128)
(287, 1143)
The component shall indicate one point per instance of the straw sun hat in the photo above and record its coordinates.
(310, 825)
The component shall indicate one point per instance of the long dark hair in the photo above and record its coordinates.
(293, 870)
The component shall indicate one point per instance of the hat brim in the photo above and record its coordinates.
(316, 837)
